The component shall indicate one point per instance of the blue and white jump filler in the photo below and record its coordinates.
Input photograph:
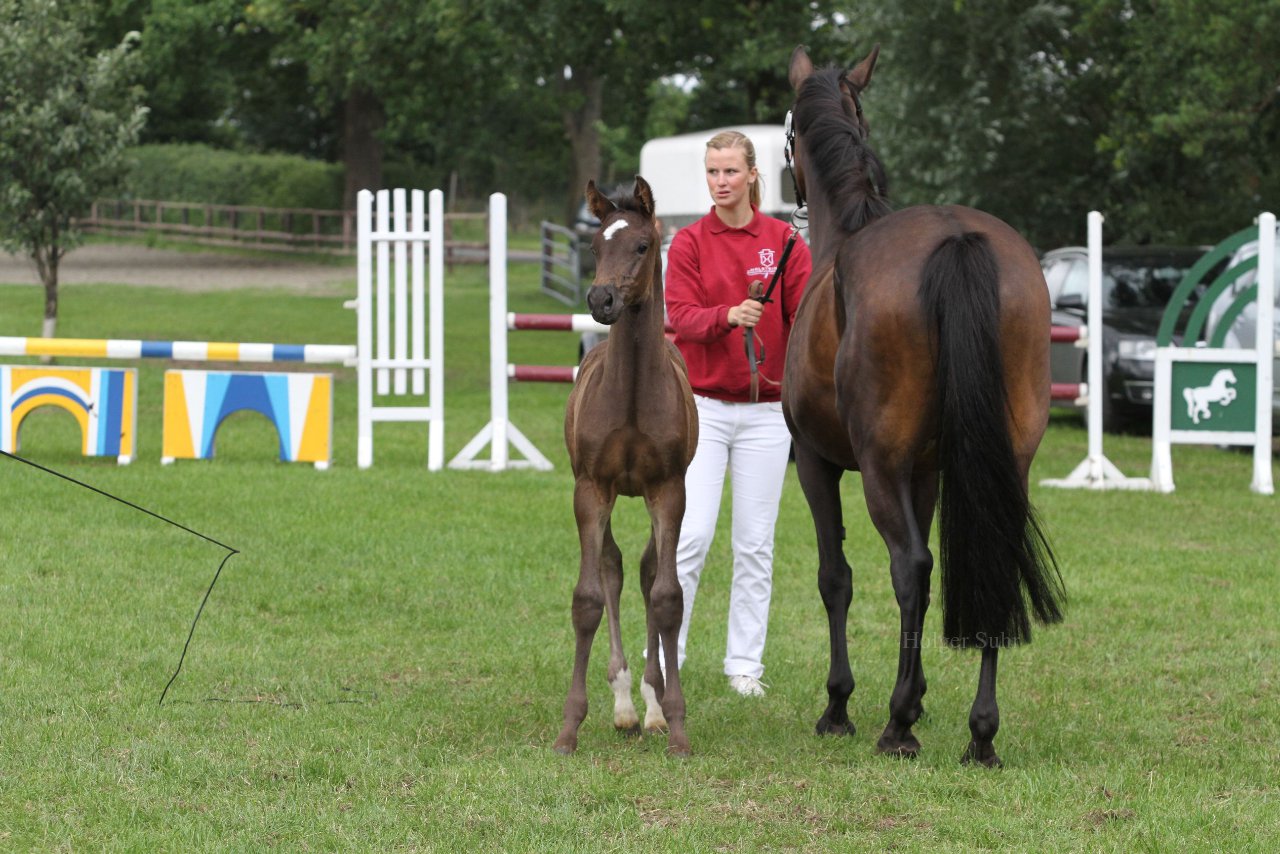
(300, 406)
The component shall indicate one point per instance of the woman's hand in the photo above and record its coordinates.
(747, 313)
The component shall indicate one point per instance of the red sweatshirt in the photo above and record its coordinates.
(709, 267)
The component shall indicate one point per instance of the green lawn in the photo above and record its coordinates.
(383, 664)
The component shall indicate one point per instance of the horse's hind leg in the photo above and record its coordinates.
(820, 481)
(984, 716)
(591, 511)
(902, 510)
(618, 675)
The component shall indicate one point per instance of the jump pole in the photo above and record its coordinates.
(1096, 471)
(500, 434)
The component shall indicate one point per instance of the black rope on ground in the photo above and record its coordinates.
(230, 551)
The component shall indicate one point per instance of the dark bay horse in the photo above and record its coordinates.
(920, 357)
(631, 429)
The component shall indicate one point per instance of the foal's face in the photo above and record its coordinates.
(624, 248)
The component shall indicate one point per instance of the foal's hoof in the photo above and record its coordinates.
(906, 747)
(565, 745)
(826, 726)
(984, 756)
(678, 749)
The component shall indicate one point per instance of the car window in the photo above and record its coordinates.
(1054, 271)
(1138, 285)
(1076, 281)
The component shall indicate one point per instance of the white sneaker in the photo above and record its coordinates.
(747, 686)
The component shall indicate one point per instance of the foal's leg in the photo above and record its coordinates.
(591, 509)
(820, 481)
(896, 506)
(652, 685)
(618, 675)
(984, 717)
(666, 606)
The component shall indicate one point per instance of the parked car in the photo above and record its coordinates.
(1137, 283)
(1244, 330)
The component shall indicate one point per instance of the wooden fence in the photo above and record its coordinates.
(562, 263)
(278, 229)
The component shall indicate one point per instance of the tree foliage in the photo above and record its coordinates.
(1163, 115)
(67, 117)
(1194, 128)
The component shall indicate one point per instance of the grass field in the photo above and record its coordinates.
(382, 666)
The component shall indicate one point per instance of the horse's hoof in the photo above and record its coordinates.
(828, 727)
(892, 745)
(678, 750)
(564, 749)
(630, 731)
(984, 756)
(659, 728)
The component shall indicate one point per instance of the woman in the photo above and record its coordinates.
(710, 267)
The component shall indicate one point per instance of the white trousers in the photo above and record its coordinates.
(749, 441)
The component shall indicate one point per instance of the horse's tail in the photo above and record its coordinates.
(996, 564)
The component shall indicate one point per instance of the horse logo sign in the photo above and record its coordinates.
(1220, 390)
(1227, 391)
(1213, 396)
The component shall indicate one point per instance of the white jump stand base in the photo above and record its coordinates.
(1098, 472)
(502, 437)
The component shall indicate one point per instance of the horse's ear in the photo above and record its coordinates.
(860, 76)
(800, 67)
(598, 203)
(644, 194)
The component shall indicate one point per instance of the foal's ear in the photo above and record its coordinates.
(598, 203)
(800, 67)
(644, 195)
(860, 76)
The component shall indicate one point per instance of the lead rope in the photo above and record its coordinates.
(230, 552)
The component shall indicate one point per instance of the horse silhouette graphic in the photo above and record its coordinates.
(1219, 390)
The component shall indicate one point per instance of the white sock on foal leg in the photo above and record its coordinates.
(624, 711)
(654, 720)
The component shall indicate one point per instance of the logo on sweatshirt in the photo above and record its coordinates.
(766, 268)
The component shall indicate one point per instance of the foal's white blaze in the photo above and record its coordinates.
(624, 711)
(617, 226)
(653, 717)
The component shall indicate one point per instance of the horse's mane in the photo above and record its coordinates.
(851, 173)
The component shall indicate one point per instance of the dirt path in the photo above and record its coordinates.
(128, 264)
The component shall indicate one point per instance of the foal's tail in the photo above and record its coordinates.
(997, 567)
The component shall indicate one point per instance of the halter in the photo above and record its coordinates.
(788, 150)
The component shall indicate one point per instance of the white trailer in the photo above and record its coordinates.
(673, 167)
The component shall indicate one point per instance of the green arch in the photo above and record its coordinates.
(1164, 337)
(1201, 312)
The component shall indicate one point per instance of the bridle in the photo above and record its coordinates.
(788, 152)
(762, 295)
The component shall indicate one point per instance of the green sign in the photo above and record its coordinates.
(1217, 396)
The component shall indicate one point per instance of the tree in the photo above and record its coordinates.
(1193, 125)
(67, 115)
(971, 104)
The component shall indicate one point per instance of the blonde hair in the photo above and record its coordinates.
(734, 139)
